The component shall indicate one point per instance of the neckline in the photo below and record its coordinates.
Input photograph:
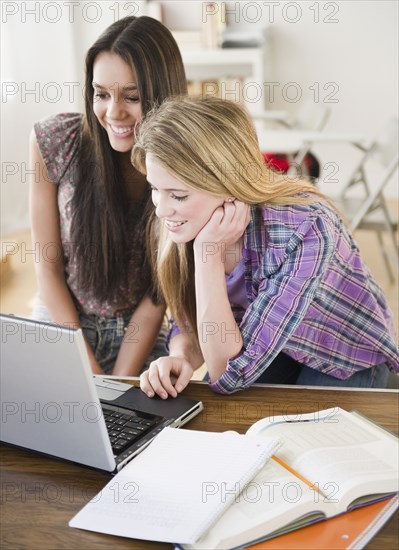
(235, 269)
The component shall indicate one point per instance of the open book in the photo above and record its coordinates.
(329, 462)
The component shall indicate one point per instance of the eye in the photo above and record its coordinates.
(133, 99)
(179, 198)
(99, 95)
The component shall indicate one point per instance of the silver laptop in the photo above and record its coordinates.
(51, 403)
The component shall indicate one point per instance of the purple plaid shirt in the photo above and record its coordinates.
(310, 296)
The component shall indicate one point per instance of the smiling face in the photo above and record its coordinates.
(116, 102)
(184, 210)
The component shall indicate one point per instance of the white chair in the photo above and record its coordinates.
(370, 212)
(310, 117)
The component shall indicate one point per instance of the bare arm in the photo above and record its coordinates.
(182, 345)
(220, 338)
(219, 335)
(45, 225)
(141, 335)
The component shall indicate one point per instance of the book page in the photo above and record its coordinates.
(273, 501)
(342, 454)
(177, 487)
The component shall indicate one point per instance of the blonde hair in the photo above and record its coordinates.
(210, 145)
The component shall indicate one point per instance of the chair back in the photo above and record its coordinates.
(373, 172)
(311, 116)
(385, 149)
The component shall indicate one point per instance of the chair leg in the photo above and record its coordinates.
(293, 167)
(386, 257)
(298, 168)
(391, 231)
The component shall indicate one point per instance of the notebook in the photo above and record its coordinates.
(178, 487)
(51, 404)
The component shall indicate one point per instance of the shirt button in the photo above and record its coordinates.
(252, 353)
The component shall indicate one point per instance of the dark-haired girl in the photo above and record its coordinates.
(89, 208)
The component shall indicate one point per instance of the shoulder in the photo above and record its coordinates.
(58, 138)
(57, 125)
(275, 226)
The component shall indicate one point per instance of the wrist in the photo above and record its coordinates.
(210, 255)
(190, 353)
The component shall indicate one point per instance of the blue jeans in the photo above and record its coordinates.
(285, 370)
(105, 336)
(373, 377)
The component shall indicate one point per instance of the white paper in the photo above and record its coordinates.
(177, 487)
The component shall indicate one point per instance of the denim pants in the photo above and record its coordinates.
(105, 336)
(373, 377)
(285, 370)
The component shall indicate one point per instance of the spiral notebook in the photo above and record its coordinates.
(177, 487)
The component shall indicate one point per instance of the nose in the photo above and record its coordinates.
(114, 108)
(163, 208)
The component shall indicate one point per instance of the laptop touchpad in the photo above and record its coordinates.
(109, 389)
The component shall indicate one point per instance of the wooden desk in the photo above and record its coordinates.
(40, 495)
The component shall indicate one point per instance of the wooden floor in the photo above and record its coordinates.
(19, 285)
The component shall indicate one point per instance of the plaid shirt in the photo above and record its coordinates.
(311, 296)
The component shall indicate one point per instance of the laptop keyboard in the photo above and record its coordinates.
(125, 428)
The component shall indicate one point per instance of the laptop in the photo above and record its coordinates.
(52, 403)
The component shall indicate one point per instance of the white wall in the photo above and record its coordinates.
(358, 56)
(35, 65)
(45, 50)
(43, 46)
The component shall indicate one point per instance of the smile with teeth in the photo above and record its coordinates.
(121, 130)
(170, 223)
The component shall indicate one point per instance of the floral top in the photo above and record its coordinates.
(59, 138)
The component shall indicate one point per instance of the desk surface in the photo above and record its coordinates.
(40, 495)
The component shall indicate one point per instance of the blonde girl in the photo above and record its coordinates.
(258, 270)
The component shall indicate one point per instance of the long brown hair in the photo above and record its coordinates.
(100, 202)
(210, 145)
